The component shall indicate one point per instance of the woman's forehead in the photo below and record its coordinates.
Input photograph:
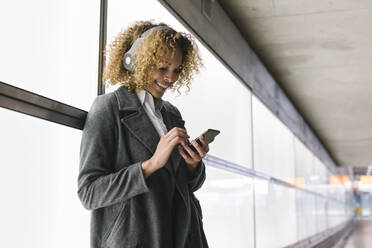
(174, 58)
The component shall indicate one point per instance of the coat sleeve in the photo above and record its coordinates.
(98, 185)
(197, 178)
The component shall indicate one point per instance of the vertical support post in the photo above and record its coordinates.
(102, 45)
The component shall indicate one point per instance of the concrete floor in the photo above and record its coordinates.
(362, 236)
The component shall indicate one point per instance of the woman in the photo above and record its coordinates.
(137, 172)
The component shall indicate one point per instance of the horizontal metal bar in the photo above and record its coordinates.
(29, 103)
(216, 162)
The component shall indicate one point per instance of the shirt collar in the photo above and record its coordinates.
(145, 96)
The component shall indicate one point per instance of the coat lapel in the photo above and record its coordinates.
(135, 118)
(171, 120)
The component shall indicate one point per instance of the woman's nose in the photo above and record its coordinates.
(168, 77)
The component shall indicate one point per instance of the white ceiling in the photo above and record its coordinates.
(320, 53)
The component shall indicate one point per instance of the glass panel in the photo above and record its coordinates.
(321, 177)
(51, 48)
(275, 206)
(217, 99)
(227, 203)
(273, 144)
(321, 213)
(39, 166)
(334, 212)
(365, 203)
(306, 214)
(305, 174)
(311, 214)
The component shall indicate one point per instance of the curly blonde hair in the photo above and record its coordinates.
(150, 55)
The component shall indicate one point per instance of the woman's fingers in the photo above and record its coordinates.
(190, 156)
(186, 157)
(205, 144)
(179, 136)
(200, 150)
(176, 132)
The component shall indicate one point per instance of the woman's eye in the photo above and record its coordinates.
(178, 71)
(162, 69)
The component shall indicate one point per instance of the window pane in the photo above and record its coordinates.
(304, 164)
(227, 203)
(39, 165)
(306, 214)
(50, 47)
(275, 206)
(273, 144)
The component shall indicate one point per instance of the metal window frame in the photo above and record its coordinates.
(102, 45)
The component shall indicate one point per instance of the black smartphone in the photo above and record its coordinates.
(208, 136)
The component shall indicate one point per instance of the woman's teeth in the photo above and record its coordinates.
(161, 85)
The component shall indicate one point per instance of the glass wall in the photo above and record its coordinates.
(316, 198)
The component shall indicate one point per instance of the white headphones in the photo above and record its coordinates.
(128, 58)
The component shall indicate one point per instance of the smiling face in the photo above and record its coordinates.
(165, 76)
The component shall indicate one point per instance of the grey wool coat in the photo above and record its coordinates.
(127, 209)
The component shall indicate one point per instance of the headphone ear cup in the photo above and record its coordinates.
(128, 58)
(128, 61)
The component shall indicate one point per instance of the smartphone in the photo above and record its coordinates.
(208, 136)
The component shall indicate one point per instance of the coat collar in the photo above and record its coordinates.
(134, 117)
(127, 101)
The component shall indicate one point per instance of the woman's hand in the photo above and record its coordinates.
(176, 136)
(193, 158)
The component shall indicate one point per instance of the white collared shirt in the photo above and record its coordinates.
(152, 112)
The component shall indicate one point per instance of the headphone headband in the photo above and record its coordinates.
(128, 58)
